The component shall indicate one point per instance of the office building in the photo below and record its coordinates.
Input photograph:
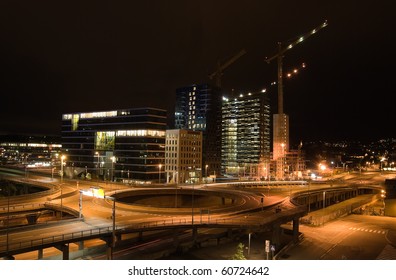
(198, 108)
(245, 145)
(183, 156)
(30, 151)
(126, 145)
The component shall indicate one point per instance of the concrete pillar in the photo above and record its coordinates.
(175, 237)
(40, 254)
(296, 222)
(194, 233)
(109, 252)
(32, 219)
(276, 232)
(229, 233)
(118, 237)
(81, 245)
(65, 251)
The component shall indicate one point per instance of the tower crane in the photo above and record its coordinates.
(279, 55)
(220, 67)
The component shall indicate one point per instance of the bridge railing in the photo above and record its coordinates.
(241, 221)
(67, 237)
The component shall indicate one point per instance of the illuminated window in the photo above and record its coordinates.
(105, 140)
(74, 121)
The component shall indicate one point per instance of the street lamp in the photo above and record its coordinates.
(62, 163)
(97, 164)
(206, 172)
(113, 160)
(192, 196)
(159, 173)
(250, 234)
(52, 173)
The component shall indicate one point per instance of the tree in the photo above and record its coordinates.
(239, 253)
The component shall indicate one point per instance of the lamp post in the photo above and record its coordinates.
(206, 173)
(309, 196)
(192, 201)
(62, 162)
(113, 159)
(159, 173)
(52, 173)
(97, 164)
(324, 200)
(250, 234)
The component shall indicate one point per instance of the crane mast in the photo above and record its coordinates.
(281, 120)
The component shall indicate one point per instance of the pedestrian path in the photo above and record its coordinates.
(367, 230)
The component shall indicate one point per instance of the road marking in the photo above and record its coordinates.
(368, 230)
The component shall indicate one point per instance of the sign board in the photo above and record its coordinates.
(267, 246)
(95, 192)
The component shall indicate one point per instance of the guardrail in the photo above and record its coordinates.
(241, 222)
(62, 238)
(21, 207)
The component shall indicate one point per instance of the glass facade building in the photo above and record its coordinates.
(198, 108)
(124, 145)
(245, 146)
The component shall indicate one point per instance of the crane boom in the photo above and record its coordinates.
(279, 56)
(300, 39)
(220, 67)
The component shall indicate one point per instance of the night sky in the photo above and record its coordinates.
(79, 56)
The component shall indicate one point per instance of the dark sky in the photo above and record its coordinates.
(79, 56)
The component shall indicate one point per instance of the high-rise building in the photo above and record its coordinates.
(246, 135)
(183, 156)
(198, 107)
(280, 144)
(125, 145)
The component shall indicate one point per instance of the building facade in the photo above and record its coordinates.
(30, 151)
(246, 139)
(198, 108)
(280, 144)
(183, 156)
(125, 145)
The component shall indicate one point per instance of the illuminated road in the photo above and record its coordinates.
(354, 237)
(98, 212)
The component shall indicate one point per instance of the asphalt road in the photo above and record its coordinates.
(353, 237)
